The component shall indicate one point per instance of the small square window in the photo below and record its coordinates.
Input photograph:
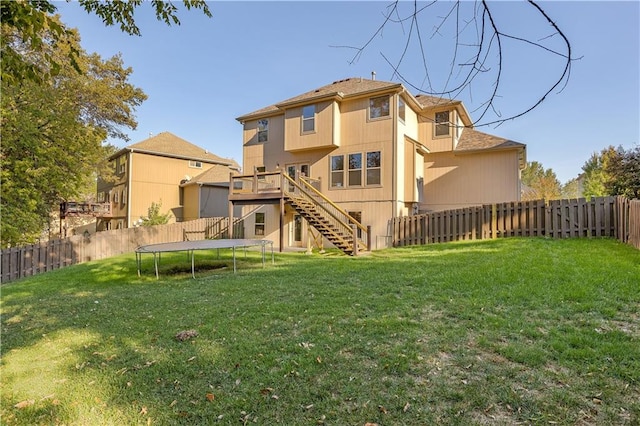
(379, 107)
(263, 130)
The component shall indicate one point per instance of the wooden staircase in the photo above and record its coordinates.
(333, 223)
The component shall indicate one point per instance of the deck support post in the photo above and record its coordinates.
(281, 224)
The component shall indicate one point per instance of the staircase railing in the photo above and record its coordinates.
(335, 215)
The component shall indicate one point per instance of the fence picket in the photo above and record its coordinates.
(603, 216)
(18, 262)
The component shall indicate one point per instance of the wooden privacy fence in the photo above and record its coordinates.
(615, 217)
(55, 254)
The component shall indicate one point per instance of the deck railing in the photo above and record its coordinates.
(263, 184)
(335, 215)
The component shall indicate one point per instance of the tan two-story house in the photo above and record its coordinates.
(188, 181)
(377, 152)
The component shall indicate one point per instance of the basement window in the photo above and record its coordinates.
(259, 224)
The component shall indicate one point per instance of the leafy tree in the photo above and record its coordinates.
(32, 19)
(622, 172)
(613, 171)
(541, 183)
(53, 129)
(154, 217)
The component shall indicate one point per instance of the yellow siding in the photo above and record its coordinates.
(321, 137)
(157, 179)
(454, 181)
(426, 132)
(191, 210)
(259, 154)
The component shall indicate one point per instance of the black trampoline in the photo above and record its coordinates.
(192, 246)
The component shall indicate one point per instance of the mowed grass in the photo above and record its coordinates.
(513, 331)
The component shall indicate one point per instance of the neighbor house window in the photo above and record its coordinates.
(115, 197)
(123, 198)
(373, 168)
(379, 107)
(195, 164)
(401, 109)
(122, 166)
(101, 197)
(263, 130)
(337, 171)
(442, 123)
(308, 118)
(355, 169)
(259, 225)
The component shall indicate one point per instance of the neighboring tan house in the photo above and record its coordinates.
(155, 171)
(374, 150)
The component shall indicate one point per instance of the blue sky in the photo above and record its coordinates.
(201, 75)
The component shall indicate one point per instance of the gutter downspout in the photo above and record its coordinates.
(129, 188)
(394, 148)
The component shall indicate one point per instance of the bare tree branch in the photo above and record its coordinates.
(481, 32)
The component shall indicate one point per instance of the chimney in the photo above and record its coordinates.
(373, 75)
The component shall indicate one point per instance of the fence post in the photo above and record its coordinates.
(354, 235)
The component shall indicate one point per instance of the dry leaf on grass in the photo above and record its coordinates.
(186, 335)
(24, 404)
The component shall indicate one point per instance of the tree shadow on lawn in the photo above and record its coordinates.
(102, 339)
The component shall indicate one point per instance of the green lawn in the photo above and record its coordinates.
(530, 331)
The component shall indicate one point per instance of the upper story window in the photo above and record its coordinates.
(263, 130)
(401, 109)
(442, 124)
(195, 164)
(379, 107)
(121, 165)
(308, 118)
(123, 196)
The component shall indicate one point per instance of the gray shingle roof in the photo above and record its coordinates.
(473, 140)
(345, 88)
(168, 144)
